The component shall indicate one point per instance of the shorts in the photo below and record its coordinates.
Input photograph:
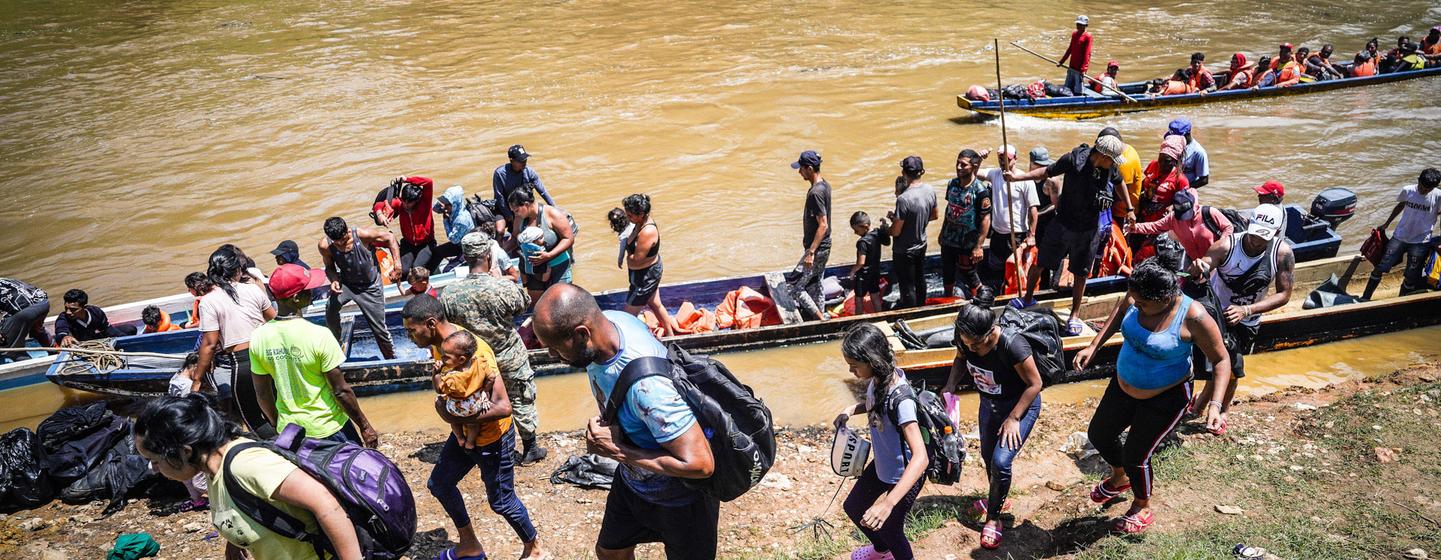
(643, 284)
(1243, 337)
(868, 280)
(688, 532)
(1060, 242)
(559, 274)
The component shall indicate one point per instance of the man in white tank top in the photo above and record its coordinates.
(1243, 269)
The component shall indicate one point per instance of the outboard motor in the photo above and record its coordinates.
(1334, 205)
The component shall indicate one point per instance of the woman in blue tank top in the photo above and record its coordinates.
(1152, 386)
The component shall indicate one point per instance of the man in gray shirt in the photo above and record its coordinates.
(512, 176)
(915, 209)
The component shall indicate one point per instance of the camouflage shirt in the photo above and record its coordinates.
(487, 306)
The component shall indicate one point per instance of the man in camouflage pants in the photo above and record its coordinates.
(487, 306)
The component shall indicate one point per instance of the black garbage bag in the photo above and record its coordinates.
(586, 471)
(1328, 294)
(122, 471)
(23, 484)
(70, 423)
(72, 459)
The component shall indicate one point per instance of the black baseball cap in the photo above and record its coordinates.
(808, 158)
(284, 247)
(517, 152)
(913, 165)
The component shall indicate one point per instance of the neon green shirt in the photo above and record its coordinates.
(296, 353)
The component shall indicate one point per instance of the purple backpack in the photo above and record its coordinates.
(367, 484)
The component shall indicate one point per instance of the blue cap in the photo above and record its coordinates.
(809, 158)
(1181, 126)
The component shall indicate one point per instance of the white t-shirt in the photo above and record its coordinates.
(1020, 195)
(234, 319)
(1419, 215)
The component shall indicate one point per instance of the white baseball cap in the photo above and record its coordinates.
(849, 452)
(1083, 20)
(1265, 221)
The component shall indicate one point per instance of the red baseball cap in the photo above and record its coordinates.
(1272, 187)
(291, 279)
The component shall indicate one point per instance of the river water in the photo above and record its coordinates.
(141, 135)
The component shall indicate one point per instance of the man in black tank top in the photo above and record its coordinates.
(355, 276)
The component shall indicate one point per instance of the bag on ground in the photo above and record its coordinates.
(23, 483)
(71, 422)
(368, 485)
(738, 424)
(945, 446)
(586, 471)
(71, 460)
(122, 471)
(1041, 329)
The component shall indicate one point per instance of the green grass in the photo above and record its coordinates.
(1340, 503)
(928, 515)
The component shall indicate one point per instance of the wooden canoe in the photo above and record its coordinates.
(1089, 107)
(1288, 327)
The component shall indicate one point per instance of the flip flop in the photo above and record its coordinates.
(1134, 524)
(1220, 430)
(1102, 494)
(1075, 327)
(868, 552)
(990, 537)
(979, 508)
(449, 554)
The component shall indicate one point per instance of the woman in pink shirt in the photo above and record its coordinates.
(1186, 223)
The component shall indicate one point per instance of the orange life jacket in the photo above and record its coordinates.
(1177, 87)
(1016, 276)
(745, 308)
(692, 319)
(1116, 258)
(1362, 70)
(386, 264)
(1291, 71)
(165, 324)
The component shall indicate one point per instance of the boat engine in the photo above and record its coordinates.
(1334, 205)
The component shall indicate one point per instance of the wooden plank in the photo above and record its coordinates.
(781, 295)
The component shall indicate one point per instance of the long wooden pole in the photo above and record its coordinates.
(1053, 61)
(1010, 208)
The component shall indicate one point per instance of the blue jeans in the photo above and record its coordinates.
(1075, 81)
(497, 470)
(346, 434)
(997, 457)
(1415, 254)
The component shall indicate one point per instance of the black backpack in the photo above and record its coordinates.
(480, 211)
(1238, 222)
(742, 439)
(945, 446)
(1041, 329)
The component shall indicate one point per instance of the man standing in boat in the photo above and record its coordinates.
(1418, 207)
(915, 208)
(816, 238)
(511, 176)
(355, 276)
(1243, 268)
(1079, 53)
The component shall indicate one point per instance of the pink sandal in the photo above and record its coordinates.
(868, 552)
(990, 537)
(1135, 523)
(1102, 494)
(979, 508)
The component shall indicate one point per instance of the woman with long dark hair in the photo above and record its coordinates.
(229, 313)
(1152, 386)
(554, 252)
(885, 492)
(642, 260)
(184, 436)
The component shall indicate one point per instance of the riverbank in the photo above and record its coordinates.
(1346, 470)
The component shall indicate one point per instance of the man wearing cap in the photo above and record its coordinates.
(487, 305)
(1131, 171)
(1418, 208)
(1271, 192)
(511, 176)
(1079, 53)
(417, 227)
(296, 367)
(1187, 222)
(1107, 84)
(816, 235)
(1243, 268)
(1195, 163)
(915, 209)
(1016, 212)
(1090, 186)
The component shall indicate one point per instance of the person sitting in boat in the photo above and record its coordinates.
(1108, 79)
(156, 320)
(1431, 46)
(1284, 72)
(1392, 59)
(198, 284)
(81, 321)
(1411, 59)
(1284, 54)
(1319, 66)
(1178, 84)
(1201, 79)
(1363, 65)
(1264, 76)
(1242, 73)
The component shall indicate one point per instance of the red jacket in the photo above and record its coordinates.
(416, 224)
(1079, 52)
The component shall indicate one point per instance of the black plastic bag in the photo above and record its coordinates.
(72, 459)
(1328, 294)
(122, 471)
(586, 471)
(70, 423)
(23, 484)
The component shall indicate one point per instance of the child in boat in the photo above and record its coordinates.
(866, 273)
(419, 279)
(465, 381)
(530, 239)
(156, 320)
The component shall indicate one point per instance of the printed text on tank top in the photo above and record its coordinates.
(1245, 279)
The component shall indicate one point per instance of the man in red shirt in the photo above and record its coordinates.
(409, 199)
(1079, 53)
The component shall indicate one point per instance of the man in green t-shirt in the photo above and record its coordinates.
(296, 365)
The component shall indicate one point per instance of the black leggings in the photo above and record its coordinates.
(417, 254)
(892, 536)
(1150, 420)
(956, 261)
(233, 381)
(909, 269)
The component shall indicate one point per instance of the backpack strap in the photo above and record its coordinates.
(1210, 222)
(636, 370)
(892, 409)
(262, 512)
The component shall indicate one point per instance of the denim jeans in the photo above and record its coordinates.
(998, 458)
(1415, 254)
(497, 470)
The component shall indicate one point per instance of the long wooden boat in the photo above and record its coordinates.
(1288, 327)
(1089, 106)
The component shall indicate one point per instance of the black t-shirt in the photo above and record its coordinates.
(1079, 207)
(870, 246)
(995, 373)
(818, 203)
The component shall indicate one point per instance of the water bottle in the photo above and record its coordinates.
(951, 448)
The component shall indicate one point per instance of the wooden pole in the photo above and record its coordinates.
(1053, 61)
(1010, 208)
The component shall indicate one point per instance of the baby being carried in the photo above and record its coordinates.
(466, 380)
